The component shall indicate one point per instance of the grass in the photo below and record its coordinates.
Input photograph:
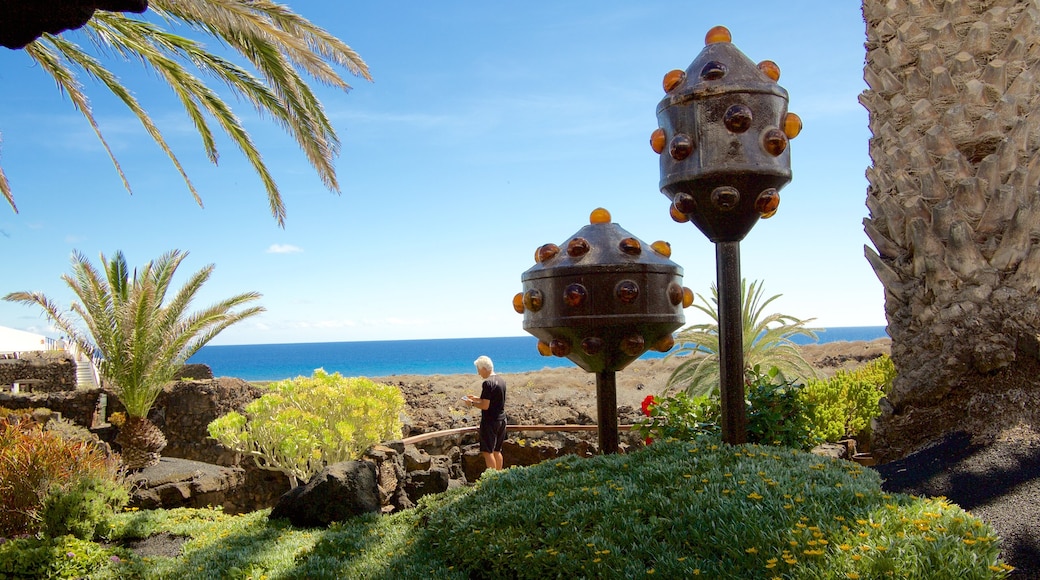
(672, 510)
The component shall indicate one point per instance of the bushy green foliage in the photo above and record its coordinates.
(304, 424)
(32, 463)
(701, 509)
(848, 401)
(82, 509)
(777, 414)
(679, 416)
(62, 557)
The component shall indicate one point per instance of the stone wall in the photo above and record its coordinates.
(55, 368)
(77, 406)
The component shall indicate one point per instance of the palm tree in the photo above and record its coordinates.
(276, 42)
(139, 339)
(952, 194)
(767, 343)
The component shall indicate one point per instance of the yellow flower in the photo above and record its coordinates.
(752, 550)
(852, 575)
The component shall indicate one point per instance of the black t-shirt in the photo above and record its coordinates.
(493, 389)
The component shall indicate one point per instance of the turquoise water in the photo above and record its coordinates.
(267, 362)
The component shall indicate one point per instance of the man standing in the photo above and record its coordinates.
(492, 405)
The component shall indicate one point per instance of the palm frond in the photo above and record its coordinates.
(140, 339)
(766, 343)
(278, 43)
(50, 62)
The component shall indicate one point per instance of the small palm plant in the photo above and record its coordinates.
(767, 343)
(139, 339)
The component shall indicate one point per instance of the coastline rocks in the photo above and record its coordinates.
(339, 492)
(174, 483)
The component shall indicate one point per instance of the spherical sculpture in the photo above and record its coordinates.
(723, 140)
(604, 301)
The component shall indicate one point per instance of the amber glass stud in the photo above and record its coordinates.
(560, 347)
(737, 118)
(662, 247)
(792, 125)
(533, 300)
(673, 79)
(575, 295)
(658, 140)
(633, 345)
(578, 247)
(687, 297)
(713, 71)
(675, 294)
(677, 215)
(684, 202)
(774, 142)
(544, 349)
(725, 198)
(681, 147)
(630, 246)
(770, 69)
(718, 34)
(767, 202)
(627, 291)
(599, 216)
(592, 345)
(665, 343)
(518, 302)
(546, 252)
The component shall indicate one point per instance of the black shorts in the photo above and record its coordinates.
(492, 435)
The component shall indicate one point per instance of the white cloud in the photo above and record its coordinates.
(284, 249)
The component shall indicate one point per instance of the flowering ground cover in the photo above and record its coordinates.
(671, 510)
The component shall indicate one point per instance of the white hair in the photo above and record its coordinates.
(484, 362)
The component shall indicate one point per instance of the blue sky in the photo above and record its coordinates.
(490, 129)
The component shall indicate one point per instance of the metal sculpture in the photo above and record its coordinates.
(723, 135)
(602, 299)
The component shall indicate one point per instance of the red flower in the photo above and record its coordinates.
(649, 401)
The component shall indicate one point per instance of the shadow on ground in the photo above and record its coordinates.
(998, 483)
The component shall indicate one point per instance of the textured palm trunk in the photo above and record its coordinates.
(954, 208)
(141, 443)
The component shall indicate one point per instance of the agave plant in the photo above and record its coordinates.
(767, 343)
(278, 44)
(139, 339)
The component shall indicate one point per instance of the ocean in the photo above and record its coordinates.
(270, 362)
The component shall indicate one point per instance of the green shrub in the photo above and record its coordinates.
(846, 402)
(62, 557)
(680, 416)
(701, 509)
(776, 414)
(32, 463)
(304, 424)
(83, 509)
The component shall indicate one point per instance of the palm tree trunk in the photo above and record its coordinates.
(954, 207)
